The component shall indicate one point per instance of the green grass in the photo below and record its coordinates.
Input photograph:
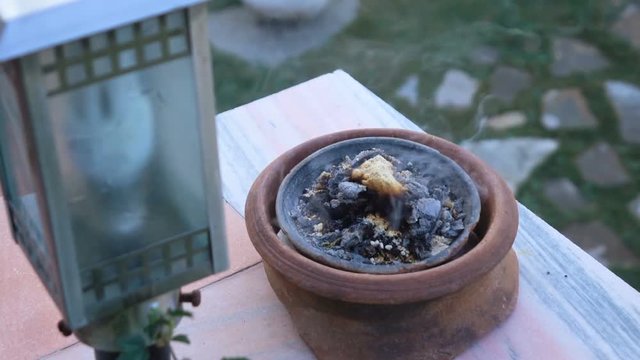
(391, 40)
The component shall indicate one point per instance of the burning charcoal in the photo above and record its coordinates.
(439, 192)
(457, 225)
(351, 190)
(426, 225)
(350, 239)
(392, 214)
(446, 215)
(445, 227)
(429, 207)
(421, 250)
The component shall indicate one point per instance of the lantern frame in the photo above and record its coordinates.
(55, 260)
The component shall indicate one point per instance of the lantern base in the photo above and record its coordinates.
(103, 335)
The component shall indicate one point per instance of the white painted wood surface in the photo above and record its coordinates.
(570, 306)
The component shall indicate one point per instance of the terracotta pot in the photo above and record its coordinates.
(431, 314)
(432, 163)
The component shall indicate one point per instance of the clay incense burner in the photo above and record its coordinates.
(433, 313)
(320, 204)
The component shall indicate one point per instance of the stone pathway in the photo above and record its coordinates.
(566, 109)
(628, 25)
(484, 55)
(572, 56)
(564, 195)
(625, 99)
(601, 165)
(563, 110)
(561, 98)
(508, 120)
(602, 243)
(515, 158)
(507, 82)
(408, 91)
(634, 207)
(457, 90)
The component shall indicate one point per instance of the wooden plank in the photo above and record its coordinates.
(590, 311)
(241, 315)
(569, 307)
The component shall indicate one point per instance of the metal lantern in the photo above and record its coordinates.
(108, 157)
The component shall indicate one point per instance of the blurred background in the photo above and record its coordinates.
(547, 92)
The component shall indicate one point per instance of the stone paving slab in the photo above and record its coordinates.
(602, 243)
(564, 195)
(634, 207)
(566, 109)
(628, 25)
(625, 99)
(572, 56)
(515, 158)
(484, 55)
(601, 165)
(408, 91)
(507, 82)
(506, 120)
(457, 90)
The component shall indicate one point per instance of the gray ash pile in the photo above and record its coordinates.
(377, 209)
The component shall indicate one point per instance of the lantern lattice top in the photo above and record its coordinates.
(27, 26)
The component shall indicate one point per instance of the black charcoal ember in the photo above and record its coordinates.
(404, 228)
(429, 207)
(416, 188)
(422, 250)
(350, 239)
(330, 238)
(457, 225)
(351, 190)
(452, 234)
(446, 216)
(439, 192)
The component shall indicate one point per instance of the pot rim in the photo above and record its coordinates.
(497, 230)
(302, 244)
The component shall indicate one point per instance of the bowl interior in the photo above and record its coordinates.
(441, 170)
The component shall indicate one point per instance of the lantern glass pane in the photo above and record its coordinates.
(130, 154)
(24, 197)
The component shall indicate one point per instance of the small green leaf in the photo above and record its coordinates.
(179, 313)
(132, 343)
(181, 338)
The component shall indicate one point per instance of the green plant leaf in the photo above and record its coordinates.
(181, 338)
(179, 313)
(132, 343)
